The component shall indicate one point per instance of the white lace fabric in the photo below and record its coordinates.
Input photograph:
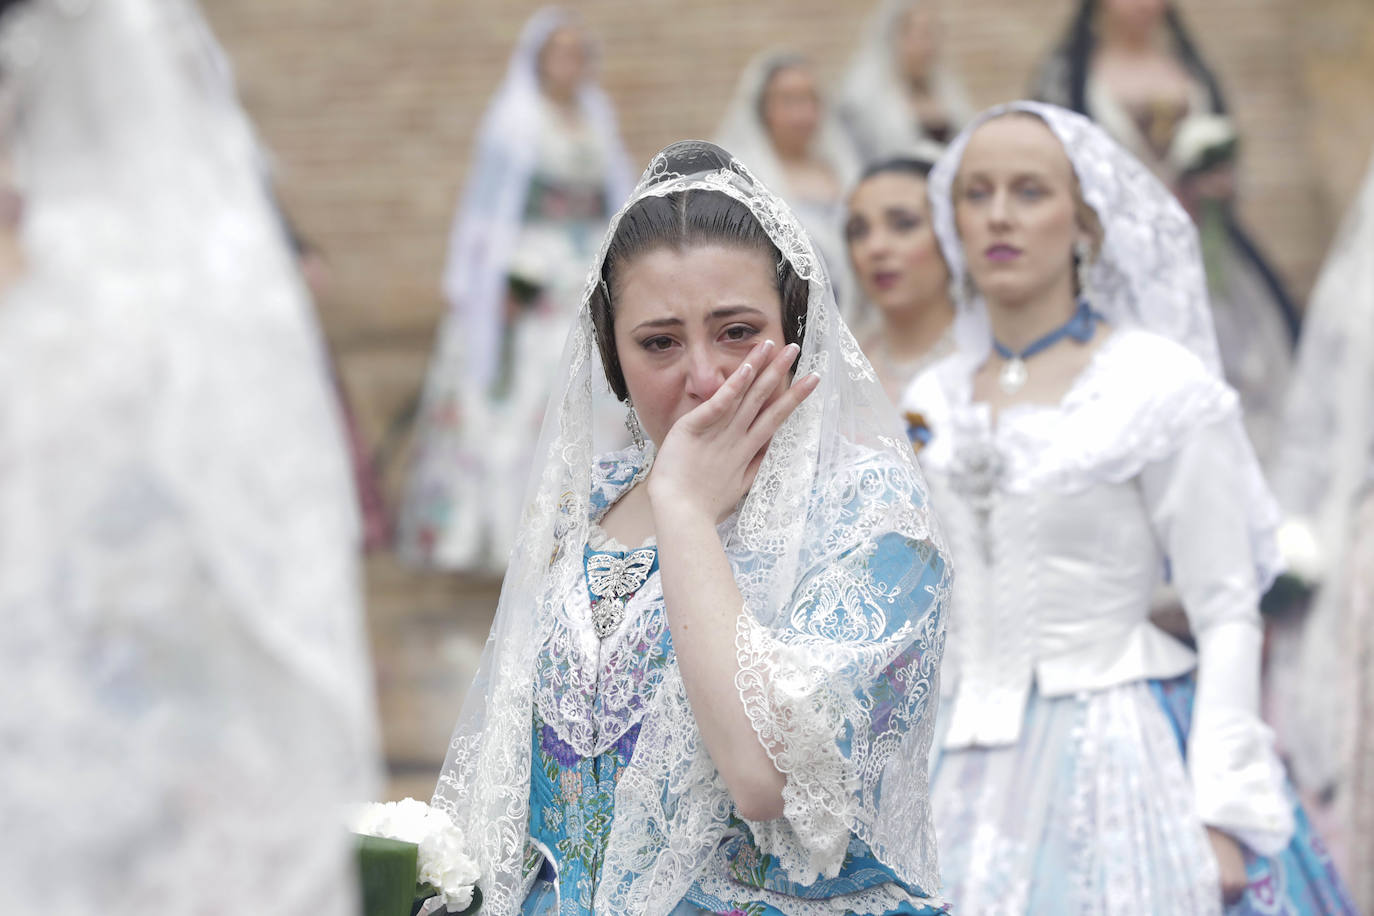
(188, 695)
(589, 690)
(1024, 831)
(820, 639)
(1322, 462)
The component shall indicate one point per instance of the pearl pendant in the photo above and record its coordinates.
(1013, 375)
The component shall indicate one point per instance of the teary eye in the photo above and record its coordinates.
(657, 344)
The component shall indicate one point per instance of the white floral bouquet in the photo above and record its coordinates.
(1304, 570)
(1301, 551)
(530, 269)
(446, 876)
(1202, 142)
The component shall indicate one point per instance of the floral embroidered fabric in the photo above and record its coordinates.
(593, 690)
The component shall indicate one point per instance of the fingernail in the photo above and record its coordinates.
(768, 346)
(746, 368)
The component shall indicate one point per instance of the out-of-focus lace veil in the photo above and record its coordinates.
(1324, 461)
(187, 695)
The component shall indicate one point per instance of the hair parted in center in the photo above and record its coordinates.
(680, 221)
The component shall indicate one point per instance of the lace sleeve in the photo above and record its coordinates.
(839, 690)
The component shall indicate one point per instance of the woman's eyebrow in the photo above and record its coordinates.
(732, 311)
(659, 323)
(728, 311)
(1037, 174)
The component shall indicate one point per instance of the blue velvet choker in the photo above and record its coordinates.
(1080, 327)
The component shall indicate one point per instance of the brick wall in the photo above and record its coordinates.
(1336, 58)
(370, 109)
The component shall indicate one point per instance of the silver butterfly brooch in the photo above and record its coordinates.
(611, 579)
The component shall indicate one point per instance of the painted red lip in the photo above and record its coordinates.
(1002, 253)
(886, 279)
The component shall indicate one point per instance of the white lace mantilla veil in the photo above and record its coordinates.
(1148, 273)
(187, 691)
(837, 475)
(488, 218)
(872, 97)
(1323, 461)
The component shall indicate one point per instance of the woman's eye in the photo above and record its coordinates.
(905, 222)
(975, 194)
(657, 344)
(1030, 192)
(739, 332)
(855, 230)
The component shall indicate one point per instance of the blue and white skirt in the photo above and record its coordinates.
(1092, 812)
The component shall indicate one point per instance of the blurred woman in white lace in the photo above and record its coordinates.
(906, 321)
(1323, 687)
(710, 682)
(548, 169)
(1082, 445)
(780, 123)
(898, 98)
(187, 691)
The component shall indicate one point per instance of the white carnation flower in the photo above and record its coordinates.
(442, 861)
(1300, 551)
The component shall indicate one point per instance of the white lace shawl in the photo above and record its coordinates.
(188, 695)
(821, 644)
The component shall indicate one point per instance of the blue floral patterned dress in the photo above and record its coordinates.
(572, 797)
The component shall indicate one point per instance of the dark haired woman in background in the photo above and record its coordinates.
(907, 321)
(1131, 66)
(710, 679)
